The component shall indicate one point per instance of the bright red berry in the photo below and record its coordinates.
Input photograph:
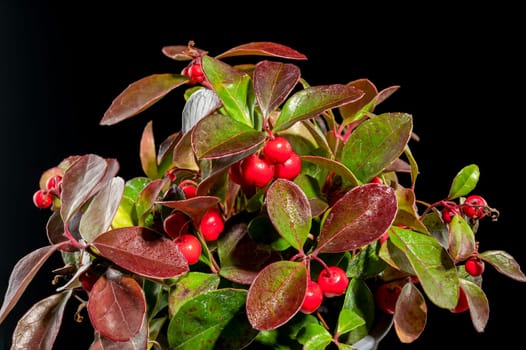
(190, 246)
(386, 296)
(289, 169)
(474, 206)
(462, 303)
(333, 281)
(474, 266)
(212, 224)
(277, 150)
(196, 74)
(257, 171)
(189, 188)
(313, 298)
(377, 180)
(448, 213)
(53, 182)
(42, 199)
(176, 224)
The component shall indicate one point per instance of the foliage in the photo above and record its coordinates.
(352, 205)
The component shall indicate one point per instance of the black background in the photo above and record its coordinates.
(460, 73)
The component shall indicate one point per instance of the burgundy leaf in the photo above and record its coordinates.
(193, 207)
(359, 218)
(39, 327)
(263, 48)
(22, 274)
(117, 306)
(410, 314)
(140, 95)
(147, 152)
(273, 82)
(55, 233)
(166, 147)
(370, 91)
(276, 294)
(142, 251)
(182, 52)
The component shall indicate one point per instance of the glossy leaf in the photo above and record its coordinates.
(410, 315)
(22, 274)
(147, 152)
(376, 143)
(273, 82)
(80, 182)
(102, 209)
(407, 211)
(478, 304)
(348, 320)
(263, 48)
(396, 258)
(354, 111)
(210, 320)
(137, 342)
(142, 251)
(201, 103)
(314, 100)
(432, 264)
(334, 166)
(360, 301)
(191, 285)
(314, 337)
(231, 85)
(141, 95)
(366, 263)
(504, 263)
(357, 219)
(117, 306)
(242, 257)
(464, 182)
(39, 326)
(193, 207)
(276, 294)
(289, 210)
(219, 135)
(461, 239)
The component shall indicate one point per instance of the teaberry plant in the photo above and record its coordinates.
(282, 215)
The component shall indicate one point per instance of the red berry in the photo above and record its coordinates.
(212, 224)
(384, 237)
(277, 150)
(88, 278)
(313, 298)
(189, 188)
(474, 266)
(386, 296)
(333, 281)
(448, 213)
(53, 183)
(42, 199)
(474, 206)
(176, 224)
(256, 171)
(376, 180)
(235, 174)
(196, 74)
(462, 303)
(289, 169)
(190, 246)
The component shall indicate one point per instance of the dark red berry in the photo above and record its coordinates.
(462, 302)
(386, 297)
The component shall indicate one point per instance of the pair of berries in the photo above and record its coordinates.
(277, 161)
(195, 72)
(43, 197)
(332, 282)
(474, 207)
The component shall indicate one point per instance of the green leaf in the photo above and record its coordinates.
(504, 263)
(461, 239)
(410, 315)
(212, 320)
(334, 166)
(314, 337)
(360, 300)
(432, 264)
(39, 326)
(478, 304)
(314, 100)
(190, 285)
(140, 95)
(289, 210)
(147, 152)
(231, 85)
(348, 320)
(407, 214)
(366, 263)
(464, 182)
(360, 217)
(219, 135)
(376, 143)
(276, 294)
(126, 214)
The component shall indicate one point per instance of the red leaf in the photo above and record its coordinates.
(39, 327)
(117, 306)
(359, 218)
(142, 251)
(140, 95)
(193, 207)
(23, 272)
(263, 48)
(137, 342)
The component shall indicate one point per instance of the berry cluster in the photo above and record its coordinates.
(43, 197)
(276, 161)
(474, 207)
(332, 282)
